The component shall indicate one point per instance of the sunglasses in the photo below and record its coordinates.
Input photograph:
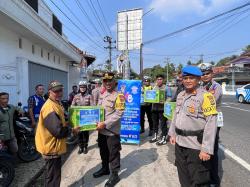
(208, 73)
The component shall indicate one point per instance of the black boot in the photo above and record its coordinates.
(85, 150)
(101, 172)
(154, 139)
(113, 179)
(80, 151)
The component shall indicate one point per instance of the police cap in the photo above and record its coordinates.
(191, 70)
(108, 76)
(55, 85)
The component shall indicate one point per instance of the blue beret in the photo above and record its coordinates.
(191, 70)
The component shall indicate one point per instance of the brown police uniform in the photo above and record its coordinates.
(82, 100)
(109, 140)
(96, 95)
(215, 88)
(194, 126)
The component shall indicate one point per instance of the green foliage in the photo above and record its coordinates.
(226, 60)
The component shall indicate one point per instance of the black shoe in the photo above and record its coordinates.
(113, 180)
(142, 131)
(101, 172)
(163, 141)
(150, 133)
(85, 150)
(80, 151)
(154, 139)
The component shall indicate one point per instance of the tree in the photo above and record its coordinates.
(189, 62)
(179, 68)
(226, 60)
(246, 49)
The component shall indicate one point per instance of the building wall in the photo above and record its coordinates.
(14, 63)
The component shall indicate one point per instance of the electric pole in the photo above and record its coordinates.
(167, 62)
(108, 39)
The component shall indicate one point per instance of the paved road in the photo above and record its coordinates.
(235, 136)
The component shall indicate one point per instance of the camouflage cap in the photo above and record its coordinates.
(55, 85)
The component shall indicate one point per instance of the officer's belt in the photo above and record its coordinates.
(188, 133)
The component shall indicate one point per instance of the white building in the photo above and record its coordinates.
(33, 49)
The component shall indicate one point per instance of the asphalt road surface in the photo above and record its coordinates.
(235, 139)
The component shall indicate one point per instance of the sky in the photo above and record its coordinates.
(223, 37)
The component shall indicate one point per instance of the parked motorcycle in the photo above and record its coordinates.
(26, 140)
(7, 171)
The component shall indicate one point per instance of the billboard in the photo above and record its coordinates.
(129, 29)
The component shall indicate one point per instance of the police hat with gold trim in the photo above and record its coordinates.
(55, 85)
(108, 76)
(191, 70)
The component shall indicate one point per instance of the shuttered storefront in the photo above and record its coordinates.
(39, 74)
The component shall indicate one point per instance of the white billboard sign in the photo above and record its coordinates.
(129, 29)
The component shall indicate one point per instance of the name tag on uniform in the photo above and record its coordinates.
(86, 116)
(220, 120)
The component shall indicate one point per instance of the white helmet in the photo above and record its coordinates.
(205, 67)
(83, 83)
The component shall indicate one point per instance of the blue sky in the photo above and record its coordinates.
(214, 40)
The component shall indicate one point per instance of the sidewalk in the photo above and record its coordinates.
(144, 165)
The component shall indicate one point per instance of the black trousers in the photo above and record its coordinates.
(110, 148)
(146, 109)
(52, 172)
(215, 179)
(192, 171)
(83, 139)
(158, 118)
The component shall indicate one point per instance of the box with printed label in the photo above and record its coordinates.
(154, 96)
(86, 116)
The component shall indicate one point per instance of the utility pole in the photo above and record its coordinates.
(201, 60)
(108, 39)
(167, 62)
(141, 61)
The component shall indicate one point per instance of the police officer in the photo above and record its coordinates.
(146, 107)
(82, 99)
(214, 88)
(109, 130)
(193, 130)
(96, 91)
(157, 115)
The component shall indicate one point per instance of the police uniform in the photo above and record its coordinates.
(109, 138)
(194, 127)
(82, 100)
(146, 109)
(96, 95)
(214, 88)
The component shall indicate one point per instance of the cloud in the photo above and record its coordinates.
(171, 9)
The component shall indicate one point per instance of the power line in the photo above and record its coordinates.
(187, 55)
(89, 33)
(87, 16)
(94, 12)
(75, 24)
(104, 18)
(196, 24)
(217, 30)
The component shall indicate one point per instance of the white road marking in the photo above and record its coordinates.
(235, 157)
(236, 108)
